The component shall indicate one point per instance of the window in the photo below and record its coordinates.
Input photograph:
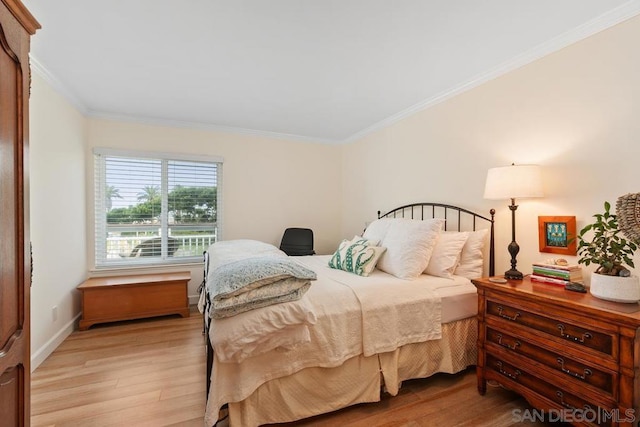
(153, 208)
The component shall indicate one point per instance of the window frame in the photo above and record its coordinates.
(101, 262)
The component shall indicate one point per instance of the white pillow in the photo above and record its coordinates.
(409, 244)
(471, 258)
(378, 229)
(446, 254)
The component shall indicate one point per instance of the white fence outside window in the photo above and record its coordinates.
(121, 247)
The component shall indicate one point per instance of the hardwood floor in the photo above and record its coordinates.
(151, 373)
(137, 373)
(442, 400)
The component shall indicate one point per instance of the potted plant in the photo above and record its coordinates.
(612, 253)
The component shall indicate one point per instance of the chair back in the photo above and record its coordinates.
(297, 242)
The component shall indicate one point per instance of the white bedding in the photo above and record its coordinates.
(394, 311)
(354, 315)
(248, 333)
(459, 297)
(281, 326)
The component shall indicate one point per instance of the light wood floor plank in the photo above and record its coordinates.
(145, 372)
(151, 373)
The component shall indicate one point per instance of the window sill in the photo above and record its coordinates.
(147, 266)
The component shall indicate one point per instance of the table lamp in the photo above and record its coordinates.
(513, 182)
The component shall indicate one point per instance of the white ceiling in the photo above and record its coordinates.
(324, 70)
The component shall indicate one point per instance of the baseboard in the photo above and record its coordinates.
(193, 299)
(43, 352)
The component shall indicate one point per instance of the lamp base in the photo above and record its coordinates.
(513, 274)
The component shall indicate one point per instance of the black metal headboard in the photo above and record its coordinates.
(456, 218)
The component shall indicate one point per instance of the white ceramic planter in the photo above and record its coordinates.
(615, 288)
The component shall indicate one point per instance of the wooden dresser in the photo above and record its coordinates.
(572, 356)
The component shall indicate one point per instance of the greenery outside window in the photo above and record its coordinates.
(155, 208)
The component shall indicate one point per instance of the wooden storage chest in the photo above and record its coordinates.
(110, 299)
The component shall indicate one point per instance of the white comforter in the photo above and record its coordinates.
(353, 315)
(394, 311)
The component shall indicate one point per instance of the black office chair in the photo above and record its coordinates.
(297, 242)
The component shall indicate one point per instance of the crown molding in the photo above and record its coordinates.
(609, 19)
(208, 126)
(604, 21)
(53, 81)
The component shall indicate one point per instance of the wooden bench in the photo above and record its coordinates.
(111, 299)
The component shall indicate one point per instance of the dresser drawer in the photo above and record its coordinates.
(560, 350)
(505, 372)
(566, 366)
(580, 336)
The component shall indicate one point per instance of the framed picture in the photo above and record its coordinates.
(557, 234)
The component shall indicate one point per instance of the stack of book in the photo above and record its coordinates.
(556, 274)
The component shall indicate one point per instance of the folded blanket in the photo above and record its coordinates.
(245, 275)
(227, 251)
(251, 283)
(232, 308)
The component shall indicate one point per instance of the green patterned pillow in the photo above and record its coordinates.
(357, 256)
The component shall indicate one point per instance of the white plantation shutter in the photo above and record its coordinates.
(153, 208)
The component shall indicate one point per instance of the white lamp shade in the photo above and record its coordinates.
(513, 182)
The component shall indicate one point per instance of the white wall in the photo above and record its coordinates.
(268, 184)
(575, 112)
(57, 216)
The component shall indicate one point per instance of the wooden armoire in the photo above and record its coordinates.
(16, 27)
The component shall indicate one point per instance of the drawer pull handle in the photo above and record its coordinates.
(581, 340)
(570, 406)
(505, 316)
(508, 374)
(587, 371)
(515, 345)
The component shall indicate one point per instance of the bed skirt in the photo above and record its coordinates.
(314, 391)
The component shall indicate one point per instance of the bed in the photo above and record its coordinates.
(345, 338)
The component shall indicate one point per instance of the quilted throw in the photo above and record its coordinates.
(257, 282)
